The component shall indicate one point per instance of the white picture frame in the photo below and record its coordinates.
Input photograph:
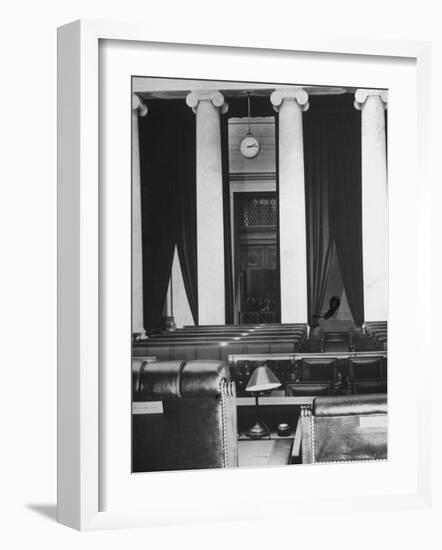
(79, 322)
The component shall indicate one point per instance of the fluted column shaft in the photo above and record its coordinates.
(210, 224)
(372, 104)
(292, 226)
(138, 109)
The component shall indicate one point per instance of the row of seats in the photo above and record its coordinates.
(217, 343)
(339, 341)
(301, 376)
(378, 330)
(198, 428)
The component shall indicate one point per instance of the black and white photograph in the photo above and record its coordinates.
(259, 274)
(221, 275)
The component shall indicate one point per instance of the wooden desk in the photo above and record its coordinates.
(265, 452)
(295, 437)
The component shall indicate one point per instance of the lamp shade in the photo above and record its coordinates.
(262, 379)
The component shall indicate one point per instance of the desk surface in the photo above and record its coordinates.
(150, 407)
(265, 452)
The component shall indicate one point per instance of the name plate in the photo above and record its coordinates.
(373, 421)
(147, 407)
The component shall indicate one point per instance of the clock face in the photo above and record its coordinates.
(249, 147)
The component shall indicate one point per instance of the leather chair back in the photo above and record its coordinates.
(336, 345)
(344, 428)
(197, 427)
(318, 369)
(365, 368)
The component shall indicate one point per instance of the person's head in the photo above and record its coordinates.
(334, 302)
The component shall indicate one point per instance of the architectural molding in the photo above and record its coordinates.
(299, 95)
(252, 176)
(361, 96)
(215, 97)
(139, 105)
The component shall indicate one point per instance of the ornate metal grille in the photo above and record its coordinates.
(257, 211)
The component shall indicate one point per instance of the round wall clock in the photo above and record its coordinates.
(249, 147)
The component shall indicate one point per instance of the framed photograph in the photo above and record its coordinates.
(233, 302)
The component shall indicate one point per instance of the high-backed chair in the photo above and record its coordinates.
(365, 344)
(344, 428)
(336, 345)
(312, 346)
(138, 366)
(365, 368)
(318, 369)
(368, 374)
(197, 426)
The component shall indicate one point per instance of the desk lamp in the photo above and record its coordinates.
(261, 380)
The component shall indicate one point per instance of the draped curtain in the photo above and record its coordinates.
(168, 199)
(332, 152)
(346, 207)
(319, 237)
(186, 212)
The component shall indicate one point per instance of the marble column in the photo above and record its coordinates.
(207, 106)
(290, 104)
(138, 109)
(372, 104)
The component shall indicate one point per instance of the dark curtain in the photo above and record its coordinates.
(332, 153)
(186, 210)
(345, 202)
(228, 273)
(168, 182)
(319, 238)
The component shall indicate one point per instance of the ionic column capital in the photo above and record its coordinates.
(361, 96)
(299, 95)
(216, 98)
(138, 105)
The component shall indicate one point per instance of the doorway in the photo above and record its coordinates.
(257, 294)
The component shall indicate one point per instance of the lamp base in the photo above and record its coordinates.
(258, 430)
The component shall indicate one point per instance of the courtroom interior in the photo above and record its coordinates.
(259, 274)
